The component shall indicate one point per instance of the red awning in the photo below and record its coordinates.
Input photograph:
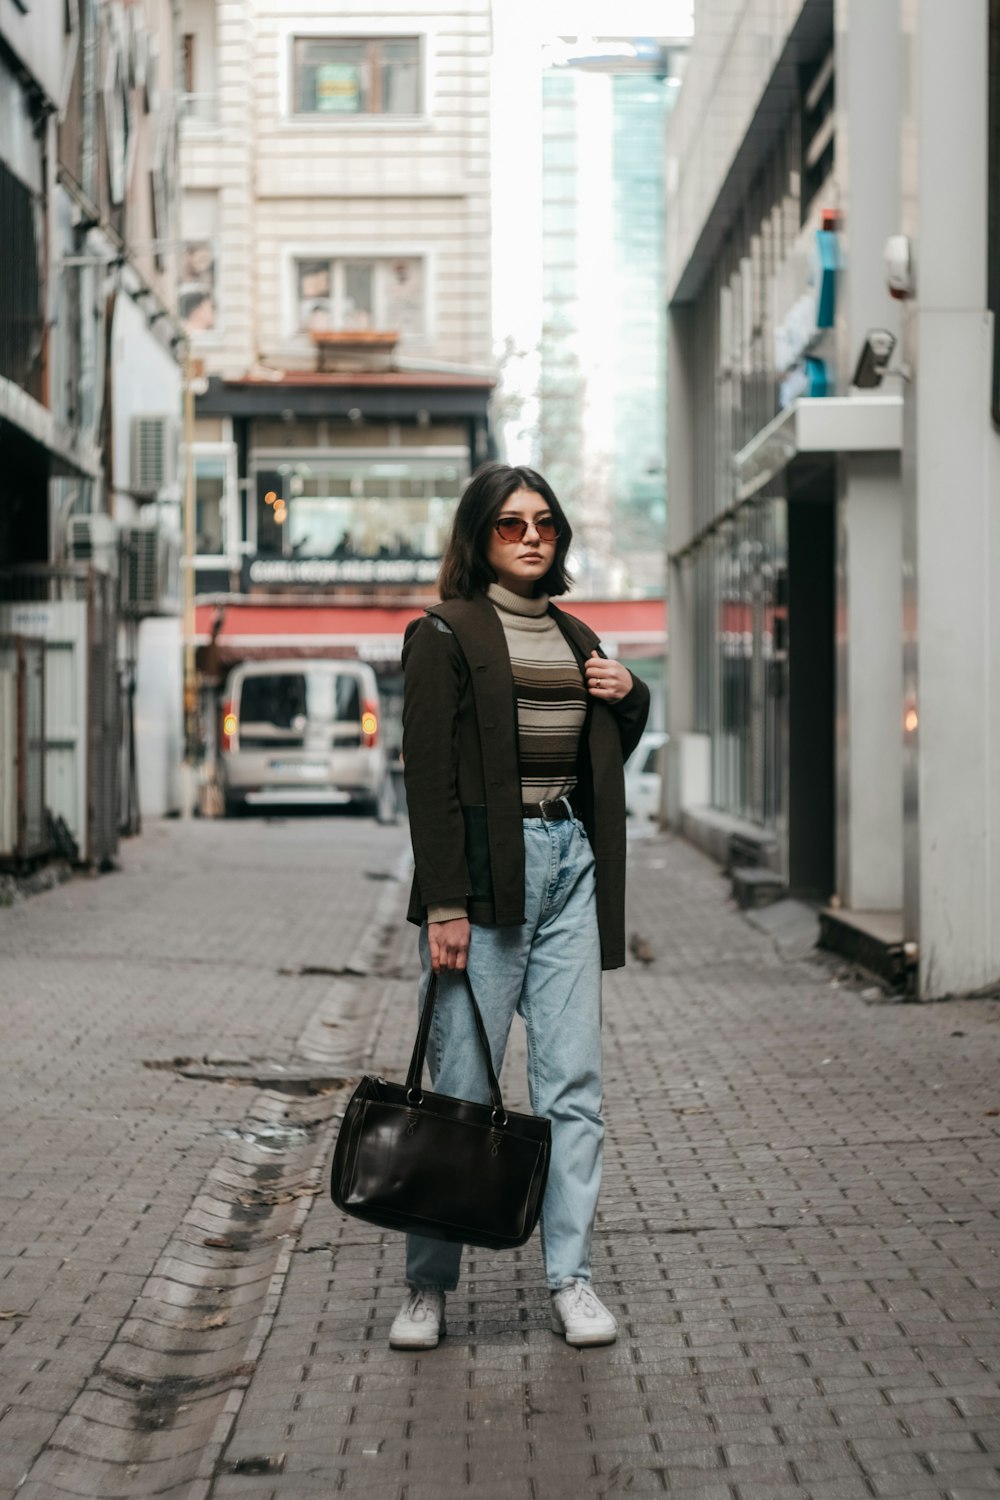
(248, 629)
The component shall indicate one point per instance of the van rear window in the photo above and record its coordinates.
(285, 699)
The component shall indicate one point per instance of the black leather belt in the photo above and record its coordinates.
(556, 811)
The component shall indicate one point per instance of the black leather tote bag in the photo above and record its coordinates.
(424, 1163)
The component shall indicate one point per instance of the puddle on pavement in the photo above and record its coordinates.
(260, 1073)
(308, 971)
(278, 1138)
(258, 1463)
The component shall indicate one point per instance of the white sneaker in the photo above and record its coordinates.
(580, 1315)
(419, 1324)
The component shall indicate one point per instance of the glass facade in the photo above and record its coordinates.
(746, 584)
(736, 561)
(638, 338)
(602, 406)
(561, 392)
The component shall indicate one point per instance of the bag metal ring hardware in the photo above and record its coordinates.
(410, 1101)
(493, 1116)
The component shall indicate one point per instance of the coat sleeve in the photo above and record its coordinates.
(432, 685)
(632, 711)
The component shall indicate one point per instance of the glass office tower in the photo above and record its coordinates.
(602, 428)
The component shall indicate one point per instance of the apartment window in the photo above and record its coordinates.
(351, 295)
(356, 76)
(198, 296)
(187, 61)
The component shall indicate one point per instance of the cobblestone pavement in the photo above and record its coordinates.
(798, 1228)
(798, 1234)
(176, 956)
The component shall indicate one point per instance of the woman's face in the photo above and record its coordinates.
(519, 565)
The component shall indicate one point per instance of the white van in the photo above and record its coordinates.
(300, 732)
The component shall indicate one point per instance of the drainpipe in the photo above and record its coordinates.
(88, 41)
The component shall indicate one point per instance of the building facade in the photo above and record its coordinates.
(834, 538)
(89, 350)
(336, 286)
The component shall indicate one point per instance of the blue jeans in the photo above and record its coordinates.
(549, 971)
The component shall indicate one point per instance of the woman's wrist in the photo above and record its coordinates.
(446, 911)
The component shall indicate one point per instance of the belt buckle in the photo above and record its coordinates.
(548, 802)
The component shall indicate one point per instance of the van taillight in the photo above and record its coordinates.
(369, 727)
(230, 726)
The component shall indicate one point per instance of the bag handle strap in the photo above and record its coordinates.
(415, 1074)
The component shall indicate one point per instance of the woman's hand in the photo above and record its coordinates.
(607, 679)
(449, 943)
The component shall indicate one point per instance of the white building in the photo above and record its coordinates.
(834, 543)
(89, 344)
(336, 283)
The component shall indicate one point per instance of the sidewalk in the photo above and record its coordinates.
(798, 1235)
(118, 995)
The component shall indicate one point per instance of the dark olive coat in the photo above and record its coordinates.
(463, 785)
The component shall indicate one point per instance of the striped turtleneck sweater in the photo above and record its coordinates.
(550, 694)
(551, 703)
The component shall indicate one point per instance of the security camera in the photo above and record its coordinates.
(874, 360)
(899, 267)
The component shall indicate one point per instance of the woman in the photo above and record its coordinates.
(515, 731)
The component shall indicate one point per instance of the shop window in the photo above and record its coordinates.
(352, 296)
(353, 512)
(344, 76)
(210, 505)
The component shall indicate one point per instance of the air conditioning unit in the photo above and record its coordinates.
(93, 540)
(154, 454)
(150, 577)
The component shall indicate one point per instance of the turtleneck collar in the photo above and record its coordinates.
(514, 604)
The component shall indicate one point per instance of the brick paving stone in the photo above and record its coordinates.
(798, 1227)
(100, 1157)
(798, 1233)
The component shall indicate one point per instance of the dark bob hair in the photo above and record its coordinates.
(464, 568)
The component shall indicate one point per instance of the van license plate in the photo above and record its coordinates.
(315, 770)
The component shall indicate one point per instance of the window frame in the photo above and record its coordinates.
(377, 29)
(231, 550)
(212, 337)
(268, 458)
(295, 338)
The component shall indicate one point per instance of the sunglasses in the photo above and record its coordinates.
(514, 529)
